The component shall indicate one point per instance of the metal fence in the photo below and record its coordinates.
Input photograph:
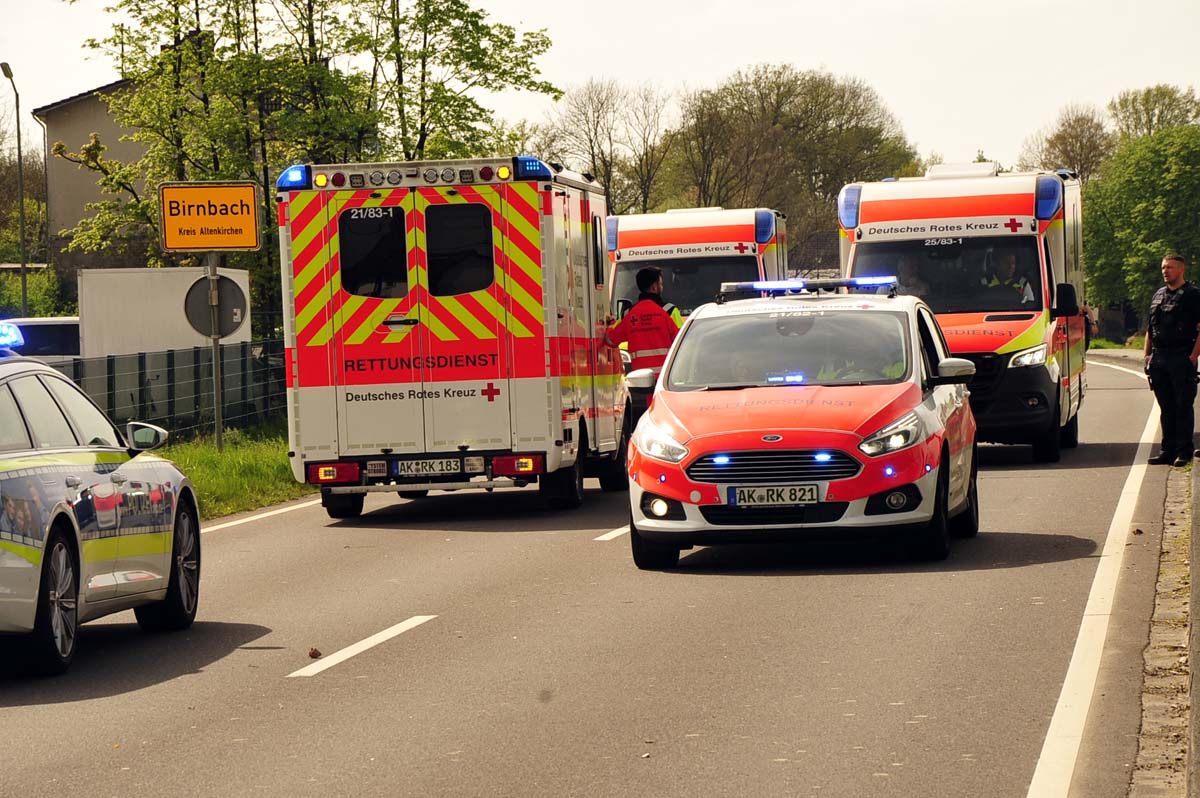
(174, 388)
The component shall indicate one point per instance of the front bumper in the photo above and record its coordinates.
(1013, 405)
(701, 515)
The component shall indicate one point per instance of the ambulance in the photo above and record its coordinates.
(999, 257)
(444, 325)
(697, 250)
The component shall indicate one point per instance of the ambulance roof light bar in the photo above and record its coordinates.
(295, 178)
(10, 336)
(526, 167)
(1049, 196)
(848, 199)
(813, 287)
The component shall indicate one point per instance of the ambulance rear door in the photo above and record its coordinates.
(376, 330)
(462, 288)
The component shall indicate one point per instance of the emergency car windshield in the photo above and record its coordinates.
(959, 275)
(791, 347)
(688, 283)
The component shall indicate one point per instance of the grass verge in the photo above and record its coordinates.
(1137, 342)
(252, 471)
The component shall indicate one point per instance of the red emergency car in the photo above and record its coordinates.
(802, 410)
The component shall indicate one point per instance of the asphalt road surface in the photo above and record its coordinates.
(522, 656)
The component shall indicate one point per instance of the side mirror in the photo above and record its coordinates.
(643, 379)
(626, 360)
(143, 437)
(1068, 303)
(953, 371)
(623, 307)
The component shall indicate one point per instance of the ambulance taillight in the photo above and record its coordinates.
(333, 473)
(518, 465)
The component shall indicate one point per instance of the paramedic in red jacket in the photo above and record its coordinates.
(649, 328)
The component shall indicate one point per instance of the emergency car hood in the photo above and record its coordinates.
(996, 331)
(857, 409)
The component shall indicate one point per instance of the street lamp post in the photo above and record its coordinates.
(7, 70)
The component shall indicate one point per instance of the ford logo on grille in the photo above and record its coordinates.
(772, 438)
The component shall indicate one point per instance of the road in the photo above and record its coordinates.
(553, 667)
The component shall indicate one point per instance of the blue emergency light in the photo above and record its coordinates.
(1049, 196)
(848, 199)
(611, 224)
(777, 287)
(10, 336)
(764, 226)
(526, 167)
(295, 178)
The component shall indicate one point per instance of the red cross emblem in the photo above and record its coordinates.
(741, 248)
(1013, 225)
(491, 392)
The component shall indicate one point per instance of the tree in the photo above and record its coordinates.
(1144, 202)
(647, 143)
(589, 127)
(1143, 112)
(1079, 140)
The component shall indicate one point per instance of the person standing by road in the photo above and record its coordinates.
(649, 328)
(1172, 348)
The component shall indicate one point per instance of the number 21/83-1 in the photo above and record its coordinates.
(370, 213)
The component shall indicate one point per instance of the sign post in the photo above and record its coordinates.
(210, 217)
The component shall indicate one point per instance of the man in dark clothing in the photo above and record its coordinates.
(648, 328)
(1172, 348)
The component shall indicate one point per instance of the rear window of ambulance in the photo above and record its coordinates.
(459, 247)
(374, 256)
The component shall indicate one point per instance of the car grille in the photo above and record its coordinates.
(989, 368)
(822, 513)
(764, 467)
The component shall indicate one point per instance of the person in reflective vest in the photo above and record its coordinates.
(649, 328)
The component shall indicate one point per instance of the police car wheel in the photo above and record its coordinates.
(177, 610)
(966, 523)
(52, 644)
(933, 538)
(648, 555)
(343, 505)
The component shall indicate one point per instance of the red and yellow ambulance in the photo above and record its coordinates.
(697, 249)
(444, 327)
(998, 256)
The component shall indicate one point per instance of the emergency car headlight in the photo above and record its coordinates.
(900, 434)
(1029, 357)
(653, 441)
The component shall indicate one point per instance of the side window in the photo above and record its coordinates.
(373, 252)
(1051, 277)
(55, 338)
(92, 425)
(931, 341)
(598, 251)
(459, 246)
(13, 434)
(46, 421)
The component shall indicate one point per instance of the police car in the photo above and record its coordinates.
(800, 410)
(90, 522)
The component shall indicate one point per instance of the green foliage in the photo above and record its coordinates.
(1144, 203)
(1142, 112)
(41, 288)
(251, 471)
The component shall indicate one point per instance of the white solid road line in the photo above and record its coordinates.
(260, 516)
(1056, 764)
(616, 533)
(361, 646)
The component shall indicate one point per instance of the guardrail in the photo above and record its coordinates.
(174, 388)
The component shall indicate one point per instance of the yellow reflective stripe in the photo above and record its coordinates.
(100, 549)
(64, 458)
(1033, 335)
(325, 332)
(465, 317)
(142, 544)
(646, 352)
(439, 329)
(28, 553)
(515, 327)
(372, 324)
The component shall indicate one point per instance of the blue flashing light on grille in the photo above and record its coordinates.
(721, 459)
(764, 226)
(848, 199)
(888, 471)
(612, 234)
(295, 178)
(928, 468)
(662, 477)
(822, 457)
(879, 280)
(1049, 196)
(526, 167)
(10, 336)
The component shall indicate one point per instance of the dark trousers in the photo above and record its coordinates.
(1173, 378)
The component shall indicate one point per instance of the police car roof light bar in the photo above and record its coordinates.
(10, 336)
(813, 287)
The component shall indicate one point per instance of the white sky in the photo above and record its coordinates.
(960, 75)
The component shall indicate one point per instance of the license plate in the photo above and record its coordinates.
(773, 495)
(411, 468)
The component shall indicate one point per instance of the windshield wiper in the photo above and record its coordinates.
(724, 387)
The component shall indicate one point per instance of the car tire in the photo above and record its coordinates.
(1069, 436)
(563, 489)
(1048, 449)
(614, 475)
(56, 623)
(177, 611)
(649, 555)
(966, 523)
(933, 537)
(343, 505)
(412, 494)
